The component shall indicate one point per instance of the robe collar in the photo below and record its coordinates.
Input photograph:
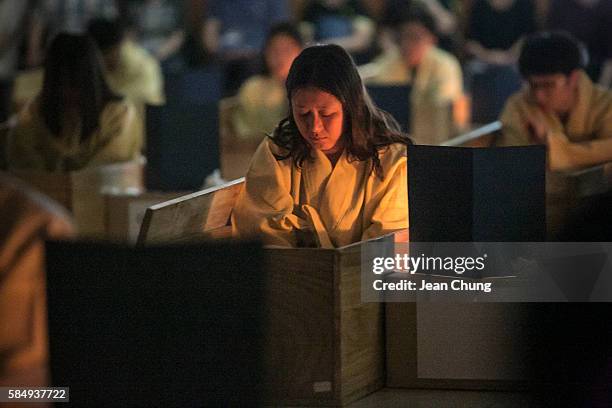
(330, 190)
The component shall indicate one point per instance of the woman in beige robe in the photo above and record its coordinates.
(334, 171)
(76, 121)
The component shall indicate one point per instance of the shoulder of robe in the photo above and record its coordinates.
(273, 148)
(515, 104)
(392, 153)
(117, 116)
(34, 209)
(119, 109)
(254, 83)
(602, 98)
(444, 57)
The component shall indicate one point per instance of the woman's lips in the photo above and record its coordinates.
(317, 138)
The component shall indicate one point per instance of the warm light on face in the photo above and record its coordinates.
(415, 41)
(319, 117)
(552, 92)
(279, 55)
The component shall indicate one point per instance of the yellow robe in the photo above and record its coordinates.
(284, 205)
(138, 76)
(262, 103)
(437, 89)
(32, 146)
(591, 117)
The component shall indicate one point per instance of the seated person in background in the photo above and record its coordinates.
(27, 85)
(234, 32)
(262, 100)
(28, 219)
(496, 27)
(51, 17)
(130, 70)
(442, 11)
(434, 74)
(13, 17)
(334, 171)
(560, 107)
(336, 22)
(159, 26)
(590, 21)
(75, 121)
(235, 29)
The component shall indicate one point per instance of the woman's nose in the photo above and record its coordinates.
(315, 123)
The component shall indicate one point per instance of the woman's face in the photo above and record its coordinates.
(279, 55)
(415, 41)
(319, 117)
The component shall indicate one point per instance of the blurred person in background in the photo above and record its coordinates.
(590, 21)
(435, 76)
(494, 34)
(235, 31)
(339, 22)
(13, 15)
(560, 106)
(159, 26)
(76, 120)
(130, 70)
(262, 100)
(28, 219)
(71, 16)
(605, 79)
(496, 27)
(442, 11)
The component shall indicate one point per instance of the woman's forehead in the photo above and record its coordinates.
(313, 96)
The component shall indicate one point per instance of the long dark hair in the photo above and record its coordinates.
(74, 61)
(366, 129)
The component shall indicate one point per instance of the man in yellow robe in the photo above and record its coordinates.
(560, 107)
(287, 206)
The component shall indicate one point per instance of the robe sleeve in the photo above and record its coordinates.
(265, 207)
(23, 150)
(388, 202)
(514, 131)
(120, 134)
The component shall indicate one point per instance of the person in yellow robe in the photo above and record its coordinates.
(76, 121)
(560, 107)
(262, 100)
(334, 172)
(437, 100)
(130, 70)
